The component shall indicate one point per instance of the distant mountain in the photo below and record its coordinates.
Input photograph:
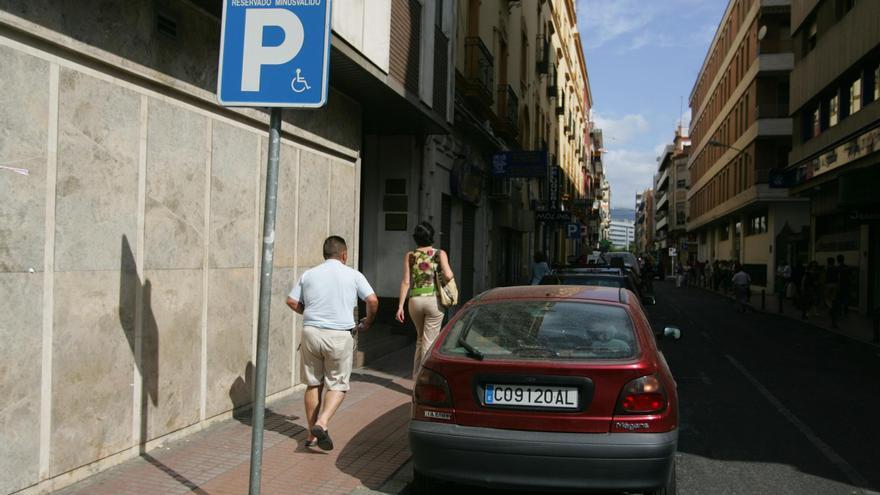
(623, 214)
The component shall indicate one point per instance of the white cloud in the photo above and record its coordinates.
(635, 24)
(618, 131)
(629, 172)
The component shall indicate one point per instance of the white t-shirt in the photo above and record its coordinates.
(329, 293)
(741, 278)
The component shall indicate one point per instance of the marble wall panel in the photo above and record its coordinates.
(175, 193)
(97, 183)
(343, 196)
(233, 190)
(230, 334)
(281, 331)
(313, 194)
(171, 355)
(21, 316)
(24, 116)
(297, 339)
(285, 214)
(93, 366)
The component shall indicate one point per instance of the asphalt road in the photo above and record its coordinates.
(769, 405)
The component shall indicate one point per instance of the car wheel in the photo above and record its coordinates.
(424, 485)
(670, 488)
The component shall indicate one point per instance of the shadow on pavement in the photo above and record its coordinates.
(241, 395)
(378, 450)
(378, 380)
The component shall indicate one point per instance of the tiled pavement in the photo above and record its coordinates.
(369, 433)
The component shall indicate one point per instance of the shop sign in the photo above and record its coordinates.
(553, 216)
(466, 181)
(526, 164)
(553, 188)
(839, 156)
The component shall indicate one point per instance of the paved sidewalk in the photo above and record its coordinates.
(369, 433)
(851, 325)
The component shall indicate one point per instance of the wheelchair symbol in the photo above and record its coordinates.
(299, 83)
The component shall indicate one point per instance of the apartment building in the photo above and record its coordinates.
(621, 233)
(670, 205)
(740, 132)
(835, 157)
(644, 222)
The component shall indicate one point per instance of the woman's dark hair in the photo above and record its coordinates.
(423, 234)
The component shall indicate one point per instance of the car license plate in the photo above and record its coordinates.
(532, 396)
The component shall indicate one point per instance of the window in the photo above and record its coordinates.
(817, 122)
(810, 42)
(757, 225)
(877, 83)
(438, 16)
(833, 110)
(681, 183)
(855, 96)
(395, 204)
(544, 330)
(724, 232)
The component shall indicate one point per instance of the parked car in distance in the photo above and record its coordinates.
(547, 388)
(599, 277)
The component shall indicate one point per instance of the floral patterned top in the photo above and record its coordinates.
(422, 265)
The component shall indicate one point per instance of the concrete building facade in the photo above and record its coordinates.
(741, 131)
(835, 157)
(130, 260)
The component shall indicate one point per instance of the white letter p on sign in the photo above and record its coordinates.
(256, 55)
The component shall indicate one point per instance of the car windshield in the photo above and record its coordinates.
(555, 330)
(594, 280)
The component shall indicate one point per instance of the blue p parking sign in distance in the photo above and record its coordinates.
(274, 53)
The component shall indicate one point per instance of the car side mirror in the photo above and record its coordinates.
(671, 333)
(649, 300)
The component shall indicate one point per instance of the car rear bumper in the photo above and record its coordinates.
(529, 459)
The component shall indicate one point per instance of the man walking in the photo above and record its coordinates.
(326, 296)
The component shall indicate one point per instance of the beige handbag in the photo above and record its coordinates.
(447, 290)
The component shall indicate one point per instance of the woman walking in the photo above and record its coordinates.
(419, 269)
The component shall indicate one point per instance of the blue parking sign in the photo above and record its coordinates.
(274, 53)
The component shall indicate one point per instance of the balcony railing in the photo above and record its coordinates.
(479, 70)
(508, 105)
(552, 88)
(542, 55)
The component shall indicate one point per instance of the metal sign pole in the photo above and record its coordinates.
(259, 409)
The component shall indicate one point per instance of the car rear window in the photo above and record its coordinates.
(595, 281)
(555, 330)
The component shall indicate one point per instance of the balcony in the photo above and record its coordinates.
(776, 45)
(552, 87)
(479, 78)
(773, 111)
(507, 117)
(542, 57)
(662, 201)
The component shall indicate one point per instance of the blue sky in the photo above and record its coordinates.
(642, 58)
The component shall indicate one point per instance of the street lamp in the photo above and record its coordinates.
(719, 144)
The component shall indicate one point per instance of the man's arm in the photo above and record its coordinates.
(372, 307)
(298, 305)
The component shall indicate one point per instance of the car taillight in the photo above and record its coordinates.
(431, 389)
(643, 395)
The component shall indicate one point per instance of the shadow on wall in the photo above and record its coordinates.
(146, 355)
(241, 393)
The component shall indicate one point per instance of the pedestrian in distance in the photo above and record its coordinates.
(810, 290)
(326, 296)
(831, 290)
(540, 268)
(741, 285)
(844, 285)
(420, 267)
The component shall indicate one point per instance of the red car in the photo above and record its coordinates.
(547, 388)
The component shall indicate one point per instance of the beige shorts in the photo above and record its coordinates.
(326, 357)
